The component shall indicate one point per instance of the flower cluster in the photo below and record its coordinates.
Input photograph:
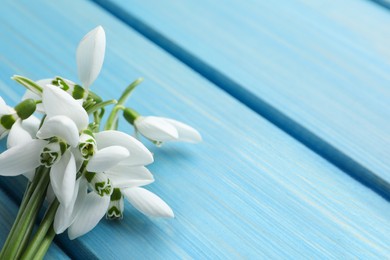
(54, 139)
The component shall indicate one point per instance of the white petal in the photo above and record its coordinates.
(106, 158)
(50, 195)
(31, 125)
(90, 55)
(63, 178)
(58, 102)
(4, 109)
(3, 132)
(139, 154)
(62, 127)
(21, 158)
(29, 175)
(18, 135)
(43, 82)
(156, 128)
(77, 156)
(147, 202)
(29, 94)
(91, 212)
(65, 215)
(123, 176)
(186, 132)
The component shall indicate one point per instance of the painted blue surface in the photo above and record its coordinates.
(316, 69)
(248, 191)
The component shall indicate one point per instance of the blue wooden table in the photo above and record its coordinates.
(293, 102)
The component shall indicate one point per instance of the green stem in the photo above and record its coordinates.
(112, 118)
(42, 231)
(46, 242)
(26, 198)
(101, 105)
(112, 121)
(25, 226)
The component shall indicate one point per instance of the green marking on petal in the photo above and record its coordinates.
(78, 92)
(115, 208)
(114, 213)
(99, 183)
(53, 152)
(89, 176)
(116, 194)
(103, 188)
(87, 144)
(62, 84)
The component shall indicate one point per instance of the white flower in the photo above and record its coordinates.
(118, 165)
(65, 119)
(129, 174)
(160, 129)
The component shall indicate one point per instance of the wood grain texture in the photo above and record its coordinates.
(248, 191)
(8, 211)
(317, 69)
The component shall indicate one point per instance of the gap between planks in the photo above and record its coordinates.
(293, 128)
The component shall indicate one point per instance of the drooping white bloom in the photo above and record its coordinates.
(129, 174)
(126, 181)
(161, 129)
(117, 165)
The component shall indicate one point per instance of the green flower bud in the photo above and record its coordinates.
(26, 108)
(7, 121)
(130, 115)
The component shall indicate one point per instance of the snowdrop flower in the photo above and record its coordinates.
(161, 129)
(65, 119)
(118, 176)
(128, 175)
(114, 149)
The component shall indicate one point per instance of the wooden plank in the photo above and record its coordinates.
(317, 69)
(8, 211)
(383, 3)
(249, 190)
